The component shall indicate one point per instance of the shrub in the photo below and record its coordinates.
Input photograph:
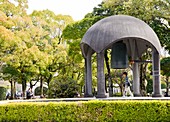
(63, 87)
(37, 91)
(2, 93)
(98, 111)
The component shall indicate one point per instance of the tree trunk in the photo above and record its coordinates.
(121, 89)
(23, 88)
(143, 68)
(12, 90)
(41, 87)
(145, 79)
(109, 75)
(167, 85)
(49, 80)
(31, 85)
(141, 78)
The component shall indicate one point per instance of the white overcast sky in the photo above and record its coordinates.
(75, 8)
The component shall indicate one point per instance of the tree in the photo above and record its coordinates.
(8, 43)
(11, 74)
(110, 82)
(17, 50)
(75, 68)
(32, 45)
(51, 42)
(145, 69)
(14, 40)
(165, 70)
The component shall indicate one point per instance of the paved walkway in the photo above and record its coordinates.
(86, 99)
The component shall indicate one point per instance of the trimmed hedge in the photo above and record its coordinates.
(91, 111)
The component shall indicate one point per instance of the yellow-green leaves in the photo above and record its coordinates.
(87, 111)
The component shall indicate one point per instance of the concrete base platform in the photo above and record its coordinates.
(87, 99)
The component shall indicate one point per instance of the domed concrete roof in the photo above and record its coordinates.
(109, 30)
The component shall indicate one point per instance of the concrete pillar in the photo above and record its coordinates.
(156, 74)
(88, 77)
(136, 81)
(136, 75)
(101, 93)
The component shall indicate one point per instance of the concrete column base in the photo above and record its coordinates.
(101, 96)
(137, 95)
(88, 95)
(157, 95)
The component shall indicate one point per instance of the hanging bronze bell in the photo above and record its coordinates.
(119, 56)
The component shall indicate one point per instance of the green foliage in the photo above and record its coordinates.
(2, 93)
(29, 44)
(9, 72)
(38, 93)
(34, 46)
(11, 10)
(165, 69)
(78, 29)
(149, 87)
(75, 62)
(50, 42)
(153, 12)
(63, 87)
(163, 85)
(91, 111)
